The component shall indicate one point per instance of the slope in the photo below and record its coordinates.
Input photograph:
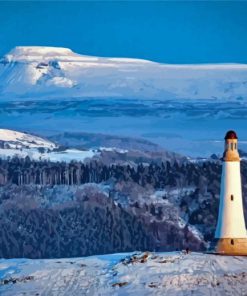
(126, 274)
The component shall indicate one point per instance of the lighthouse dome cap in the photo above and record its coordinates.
(230, 135)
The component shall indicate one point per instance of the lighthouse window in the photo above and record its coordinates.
(235, 145)
(232, 197)
(232, 241)
(232, 146)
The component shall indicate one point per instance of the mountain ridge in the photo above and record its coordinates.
(19, 52)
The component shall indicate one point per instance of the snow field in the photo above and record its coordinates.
(126, 274)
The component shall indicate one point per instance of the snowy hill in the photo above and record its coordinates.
(14, 139)
(14, 143)
(39, 72)
(81, 146)
(126, 274)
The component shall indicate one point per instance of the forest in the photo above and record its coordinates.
(50, 209)
(24, 171)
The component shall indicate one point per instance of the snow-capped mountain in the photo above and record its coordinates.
(38, 72)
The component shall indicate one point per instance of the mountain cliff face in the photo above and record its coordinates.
(38, 72)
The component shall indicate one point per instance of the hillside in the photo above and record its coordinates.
(18, 144)
(69, 147)
(126, 274)
(18, 140)
(94, 208)
(41, 72)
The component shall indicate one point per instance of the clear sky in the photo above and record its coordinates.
(170, 32)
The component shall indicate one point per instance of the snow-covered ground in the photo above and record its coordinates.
(67, 155)
(126, 274)
(22, 144)
(16, 139)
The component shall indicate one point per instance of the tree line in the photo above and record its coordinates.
(24, 171)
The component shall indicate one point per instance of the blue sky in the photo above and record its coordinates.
(171, 32)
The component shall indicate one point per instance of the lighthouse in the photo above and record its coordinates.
(230, 234)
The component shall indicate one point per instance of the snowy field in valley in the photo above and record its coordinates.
(126, 274)
(67, 155)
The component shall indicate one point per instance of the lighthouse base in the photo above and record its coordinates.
(229, 246)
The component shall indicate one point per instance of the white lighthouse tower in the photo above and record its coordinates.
(230, 235)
